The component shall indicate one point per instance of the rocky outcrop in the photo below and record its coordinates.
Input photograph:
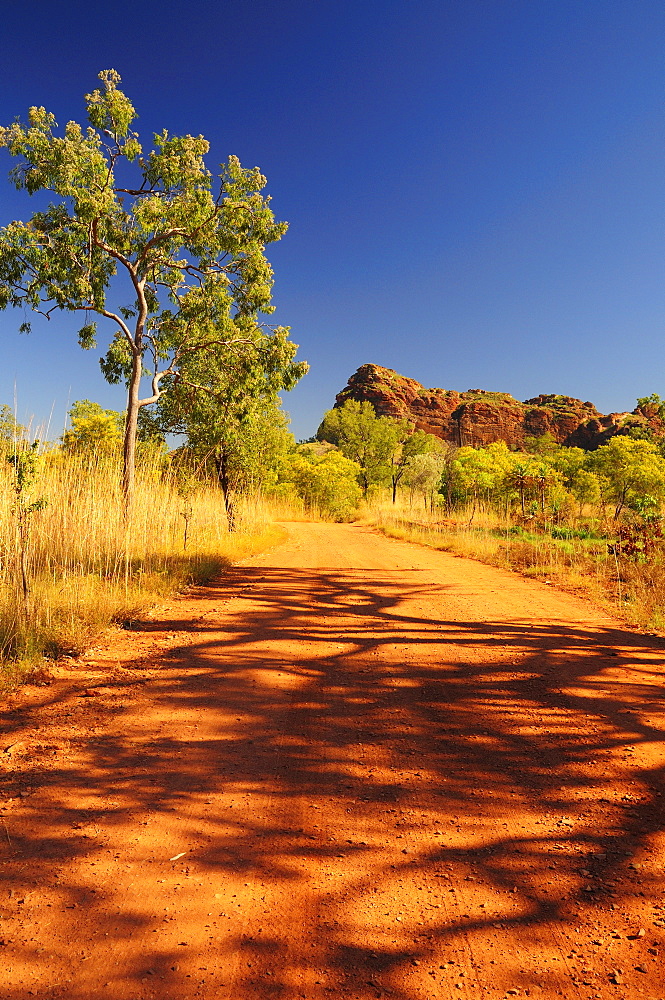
(478, 417)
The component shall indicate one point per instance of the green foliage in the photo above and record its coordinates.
(93, 428)
(10, 430)
(365, 438)
(409, 447)
(496, 475)
(25, 463)
(326, 482)
(638, 431)
(652, 406)
(226, 402)
(545, 445)
(567, 532)
(150, 432)
(423, 470)
(628, 471)
(191, 248)
(568, 461)
(584, 485)
(482, 471)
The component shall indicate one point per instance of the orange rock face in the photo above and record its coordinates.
(478, 418)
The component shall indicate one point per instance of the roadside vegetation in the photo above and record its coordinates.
(72, 563)
(588, 521)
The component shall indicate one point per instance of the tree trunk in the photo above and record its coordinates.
(473, 510)
(394, 489)
(129, 445)
(221, 464)
(23, 533)
(620, 503)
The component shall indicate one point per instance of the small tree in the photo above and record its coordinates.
(482, 471)
(628, 471)
(365, 438)
(192, 257)
(543, 444)
(522, 477)
(585, 488)
(423, 474)
(10, 430)
(410, 444)
(652, 406)
(326, 482)
(227, 404)
(93, 428)
(25, 464)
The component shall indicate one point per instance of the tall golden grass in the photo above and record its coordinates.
(88, 566)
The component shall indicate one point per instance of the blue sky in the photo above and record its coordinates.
(474, 187)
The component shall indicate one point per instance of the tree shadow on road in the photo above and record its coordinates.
(517, 763)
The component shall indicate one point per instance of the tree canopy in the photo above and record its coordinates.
(92, 427)
(326, 481)
(227, 403)
(631, 473)
(365, 438)
(190, 247)
(410, 445)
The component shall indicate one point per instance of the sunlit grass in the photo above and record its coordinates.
(88, 567)
(574, 557)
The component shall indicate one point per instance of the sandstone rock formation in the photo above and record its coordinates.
(478, 417)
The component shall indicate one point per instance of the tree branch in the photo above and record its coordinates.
(101, 245)
(109, 315)
(156, 391)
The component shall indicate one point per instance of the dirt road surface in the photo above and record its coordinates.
(353, 768)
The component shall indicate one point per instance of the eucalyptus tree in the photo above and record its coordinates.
(226, 402)
(365, 438)
(629, 472)
(190, 248)
(411, 443)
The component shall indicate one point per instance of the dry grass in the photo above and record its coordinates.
(88, 567)
(634, 590)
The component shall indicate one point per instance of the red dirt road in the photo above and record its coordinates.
(353, 768)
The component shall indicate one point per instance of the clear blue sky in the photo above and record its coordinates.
(474, 187)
